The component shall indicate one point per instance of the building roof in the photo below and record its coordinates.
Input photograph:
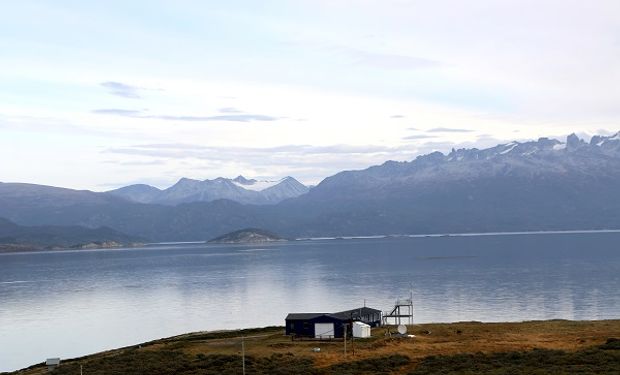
(304, 316)
(342, 315)
(356, 313)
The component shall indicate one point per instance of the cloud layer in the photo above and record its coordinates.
(121, 89)
(241, 117)
(449, 130)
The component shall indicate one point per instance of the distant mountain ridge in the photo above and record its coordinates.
(239, 189)
(17, 237)
(536, 185)
(519, 186)
(526, 159)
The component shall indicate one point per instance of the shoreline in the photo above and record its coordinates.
(432, 341)
(304, 239)
(21, 249)
(462, 234)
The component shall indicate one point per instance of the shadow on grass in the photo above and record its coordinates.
(146, 362)
(603, 359)
(143, 362)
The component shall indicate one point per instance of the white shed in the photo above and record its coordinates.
(361, 330)
(52, 363)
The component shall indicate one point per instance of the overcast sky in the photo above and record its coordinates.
(97, 95)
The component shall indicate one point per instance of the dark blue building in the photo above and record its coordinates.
(329, 325)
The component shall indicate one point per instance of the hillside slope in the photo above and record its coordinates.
(17, 237)
(538, 347)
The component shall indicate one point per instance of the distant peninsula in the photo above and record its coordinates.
(17, 238)
(248, 235)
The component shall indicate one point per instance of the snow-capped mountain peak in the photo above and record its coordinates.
(603, 141)
(239, 189)
(543, 146)
(244, 181)
(255, 185)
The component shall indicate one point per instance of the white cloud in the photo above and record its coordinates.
(122, 89)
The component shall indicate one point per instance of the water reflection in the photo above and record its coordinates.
(73, 303)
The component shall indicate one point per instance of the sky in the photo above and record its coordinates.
(98, 95)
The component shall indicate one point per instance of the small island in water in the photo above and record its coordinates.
(248, 235)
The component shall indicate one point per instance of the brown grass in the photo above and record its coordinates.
(443, 340)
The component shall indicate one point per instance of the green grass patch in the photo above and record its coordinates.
(378, 365)
(147, 362)
(603, 359)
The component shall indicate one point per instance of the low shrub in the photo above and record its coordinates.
(596, 360)
(378, 365)
(145, 362)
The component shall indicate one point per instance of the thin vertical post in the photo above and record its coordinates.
(345, 340)
(243, 354)
(411, 303)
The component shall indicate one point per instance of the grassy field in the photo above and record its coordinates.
(538, 347)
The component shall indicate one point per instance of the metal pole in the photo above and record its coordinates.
(345, 340)
(411, 303)
(410, 307)
(80, 369)
(243, 354)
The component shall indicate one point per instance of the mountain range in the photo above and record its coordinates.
(239, 189)
(538, 185)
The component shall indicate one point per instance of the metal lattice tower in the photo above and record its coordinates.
(402, 311)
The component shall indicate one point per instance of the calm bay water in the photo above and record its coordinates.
(72, 303)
